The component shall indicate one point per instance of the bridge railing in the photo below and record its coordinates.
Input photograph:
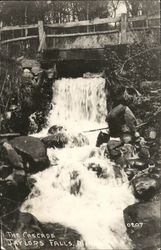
(18, 33)
(42, 31)
(88, 26)
(144, 22)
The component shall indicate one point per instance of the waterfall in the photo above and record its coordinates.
(70, 192)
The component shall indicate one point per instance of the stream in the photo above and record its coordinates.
(70, 192)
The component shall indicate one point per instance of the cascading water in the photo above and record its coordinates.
(70, 192)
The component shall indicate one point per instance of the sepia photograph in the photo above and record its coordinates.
(80, 125)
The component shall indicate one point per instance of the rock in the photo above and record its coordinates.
(113, 147)
(113, 144)
(55, 129)
(58, 140)
(15, 186)
(32, 151)
(75, 183)
(51, 72)
(29, 63)
(126, 138)
(79, 140)
(144, 186)
(102, 138)
(140, 165)
(36, 70)
(150, 133)
(117, 171)
(128, 151)
(33, 234)
(5, 170)
(130, 119)
(144, 153)
(10, 156)
(143, 224)
(96, 168)
(33, 125)
(27, 74)
(151, 166)
(130, 173)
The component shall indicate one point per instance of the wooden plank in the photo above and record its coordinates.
(143, 28)
(138, 28)
(42, 44)
(17, 27)
(153, 17)
(84, 23)
(142, 18)
(84, 34)
(154, 27)
(19, 39)
(123, 28)
(137, 18)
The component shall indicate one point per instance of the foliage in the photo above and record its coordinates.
(142, 7)
(10, 73)
(142, 64)
(134, 67)
(134, 63)
(20, 12)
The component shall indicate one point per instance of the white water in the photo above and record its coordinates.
(96, 211)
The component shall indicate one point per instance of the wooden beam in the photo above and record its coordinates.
(42, 36)
(137, 18)
(123, 28)
(8, 28)
(19, 39)
(155, 17)
(84, 23)
(42, 44)
(1, 24)
(142, 18)
(83, 34)
(143, 28)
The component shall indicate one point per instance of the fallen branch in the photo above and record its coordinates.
(93, 130)
(99, 129)
(9, 135)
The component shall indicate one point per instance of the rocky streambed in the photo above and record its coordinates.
(139, 160)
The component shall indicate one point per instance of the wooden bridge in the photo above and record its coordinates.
(83, 40)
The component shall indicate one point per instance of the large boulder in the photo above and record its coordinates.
(10, 156)
(55, 129)
(5, 170)
(102, 138)
(28, 233)
(143, 224)
(32, 151)
(58, 140)
(114, 149)
(144, 186)
(15, 186)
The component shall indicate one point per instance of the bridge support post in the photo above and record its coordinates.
(124, 28)
(1, 24)
(42, 36)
